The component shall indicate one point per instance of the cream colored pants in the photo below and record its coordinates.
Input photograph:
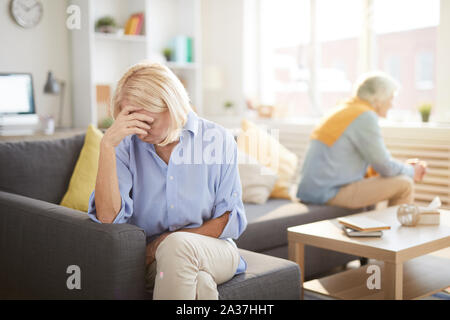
(367, 192)
(189, 266)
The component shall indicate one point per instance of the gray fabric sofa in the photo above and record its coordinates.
(267, 233)
(39, 239)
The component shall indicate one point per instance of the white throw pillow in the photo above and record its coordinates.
(257, 181)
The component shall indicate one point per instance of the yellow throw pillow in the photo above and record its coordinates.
(84, 175)
(258, 144)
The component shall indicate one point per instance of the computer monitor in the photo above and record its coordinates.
(16, 94)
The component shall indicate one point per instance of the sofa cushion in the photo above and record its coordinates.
(268, 223)
(266, 278)
(257, 143)
(84, 175)
(39, 169)
(257, 181)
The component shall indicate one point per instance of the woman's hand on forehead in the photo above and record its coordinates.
(142, 115)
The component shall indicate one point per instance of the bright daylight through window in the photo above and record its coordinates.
(312, 52)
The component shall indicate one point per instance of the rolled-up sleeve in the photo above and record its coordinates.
(370, 144)
(229, 193)
(125, 185)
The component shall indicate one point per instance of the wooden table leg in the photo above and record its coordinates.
(297, 254)
(393, 281)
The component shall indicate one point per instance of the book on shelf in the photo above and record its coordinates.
(363, 224)
(183, 49)
(127, 27)
(140, 17)
(134, 24)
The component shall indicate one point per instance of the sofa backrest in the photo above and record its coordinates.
(39, 169)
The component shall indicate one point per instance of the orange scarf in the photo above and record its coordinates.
(333, 126)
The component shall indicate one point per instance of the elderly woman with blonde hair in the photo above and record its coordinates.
(175, 175)
(347, 145)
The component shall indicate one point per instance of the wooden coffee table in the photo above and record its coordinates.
(414, 261)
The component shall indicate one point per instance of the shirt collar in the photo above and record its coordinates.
(191, 123)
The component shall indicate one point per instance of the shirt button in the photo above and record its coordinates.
(235, 194)
(171, 178)
(172, 206)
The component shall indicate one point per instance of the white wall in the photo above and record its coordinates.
(222, 55)
(443, 81)
(38, 50)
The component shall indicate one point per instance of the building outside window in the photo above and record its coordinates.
(313, 51)
(425, 71)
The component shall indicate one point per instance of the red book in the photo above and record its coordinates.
(140, 17)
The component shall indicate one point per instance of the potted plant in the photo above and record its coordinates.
(229, 106)
(425, 111)
(168, 52)
(106, 25)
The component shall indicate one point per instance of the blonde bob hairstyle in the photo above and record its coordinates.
(155, 88)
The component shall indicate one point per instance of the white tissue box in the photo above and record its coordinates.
(430, 218)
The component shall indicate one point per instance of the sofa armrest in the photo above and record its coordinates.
(40, 240)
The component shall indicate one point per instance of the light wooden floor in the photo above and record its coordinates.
(445, 295)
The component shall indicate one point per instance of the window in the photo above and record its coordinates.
(424, 70)
(309, 56)
(393, 66)
(339, 26)
(313, 51)
(406, 47)
(285, 38)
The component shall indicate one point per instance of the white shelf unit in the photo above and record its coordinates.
(101, 59)
(115, 37)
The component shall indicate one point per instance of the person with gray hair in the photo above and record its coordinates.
(347, 163)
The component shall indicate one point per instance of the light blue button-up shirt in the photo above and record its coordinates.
(200, 183)
(327, 169)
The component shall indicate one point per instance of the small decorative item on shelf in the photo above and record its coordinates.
(425, 111)
(229, 107)
(135, 24)
(168, 54)
(106, 25)
(262, 110)
(266, 111)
